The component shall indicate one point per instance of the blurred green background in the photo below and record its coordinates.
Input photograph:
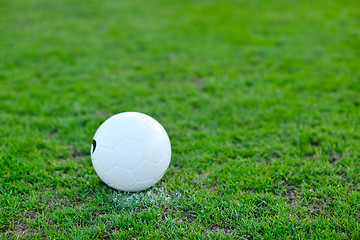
(260, 100)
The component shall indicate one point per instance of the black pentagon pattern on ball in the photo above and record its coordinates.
(94, 145)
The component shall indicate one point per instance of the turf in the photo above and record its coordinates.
(260, 100)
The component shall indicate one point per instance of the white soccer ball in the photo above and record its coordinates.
(130, 151)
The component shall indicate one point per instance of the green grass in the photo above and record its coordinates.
(261, 101)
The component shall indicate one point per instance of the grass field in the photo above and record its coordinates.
(261, 101)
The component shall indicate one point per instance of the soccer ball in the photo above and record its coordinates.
(130, 151)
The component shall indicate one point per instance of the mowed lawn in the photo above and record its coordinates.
(260, 99)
